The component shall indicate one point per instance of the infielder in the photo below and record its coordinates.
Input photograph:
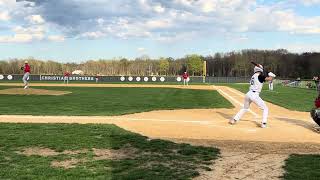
(97, 78)
(66, 77)
(271, 85)
(317, 82)
(256, 84)
(26, 75)
(185, 77)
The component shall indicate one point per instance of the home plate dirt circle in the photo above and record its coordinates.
(31, 91)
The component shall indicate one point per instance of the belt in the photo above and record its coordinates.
(254, 91)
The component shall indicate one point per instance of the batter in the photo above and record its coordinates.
(256, 84)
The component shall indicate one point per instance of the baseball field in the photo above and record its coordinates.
(154, 131)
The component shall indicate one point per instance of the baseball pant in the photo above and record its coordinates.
(66, 79)
(185, 81)
(271, 86)
(25, 78)
(255, 98)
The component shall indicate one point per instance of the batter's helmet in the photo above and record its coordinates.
(258, 68)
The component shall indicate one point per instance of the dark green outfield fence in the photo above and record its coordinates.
(125, 79)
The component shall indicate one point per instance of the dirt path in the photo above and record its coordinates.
(248, 152)
(241, 165)
(250, 160)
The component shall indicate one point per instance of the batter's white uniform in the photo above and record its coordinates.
(256, 84)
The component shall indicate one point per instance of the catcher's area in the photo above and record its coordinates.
(248, 152)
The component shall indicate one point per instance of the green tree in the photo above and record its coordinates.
(194, 64)
(164, 66)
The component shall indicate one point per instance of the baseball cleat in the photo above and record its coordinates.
(25, 87)
(263, 125)
(232, 121)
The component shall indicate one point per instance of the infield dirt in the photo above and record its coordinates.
(247, 151)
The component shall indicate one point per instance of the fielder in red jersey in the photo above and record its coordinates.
(185, 77)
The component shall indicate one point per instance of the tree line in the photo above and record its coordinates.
(231, 64)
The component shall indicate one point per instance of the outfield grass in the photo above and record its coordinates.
(306, 167)
(110, 101)
(153, 159)
(291, 98)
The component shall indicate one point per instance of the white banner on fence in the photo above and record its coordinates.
(61, 78)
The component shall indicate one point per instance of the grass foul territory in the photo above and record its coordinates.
(109, 101)
(291, 98)
(61, 151)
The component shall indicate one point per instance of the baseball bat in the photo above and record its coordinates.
(266, 70)
(254, 63)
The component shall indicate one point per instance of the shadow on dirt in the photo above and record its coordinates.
(307, 125)
(228, 117)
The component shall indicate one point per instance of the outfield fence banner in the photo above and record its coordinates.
(127, 79)
(62, 78)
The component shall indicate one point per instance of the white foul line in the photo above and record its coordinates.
(157, 120)
(105, 118)
(235, 92)
(70, 119)
(207, 123)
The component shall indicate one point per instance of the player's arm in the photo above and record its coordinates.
(262, 78)
(270, 76)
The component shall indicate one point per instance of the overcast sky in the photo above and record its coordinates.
(77, 30)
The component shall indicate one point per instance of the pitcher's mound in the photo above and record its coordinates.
(30, 91)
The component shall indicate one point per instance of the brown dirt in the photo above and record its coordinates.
(104, 154)
(250, 160)
(67, 164)
(38, 151)
(100, 154)
(45, 152)
(240, 165)
(75, 152)
(30, 91)
(248, 152)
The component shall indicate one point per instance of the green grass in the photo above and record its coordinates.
(153, 159)
(291, 98)
(306, 167)
(110, 101)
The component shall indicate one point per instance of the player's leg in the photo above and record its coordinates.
(243, 110)
(25, 80)
(271, 86)
(262, 105)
